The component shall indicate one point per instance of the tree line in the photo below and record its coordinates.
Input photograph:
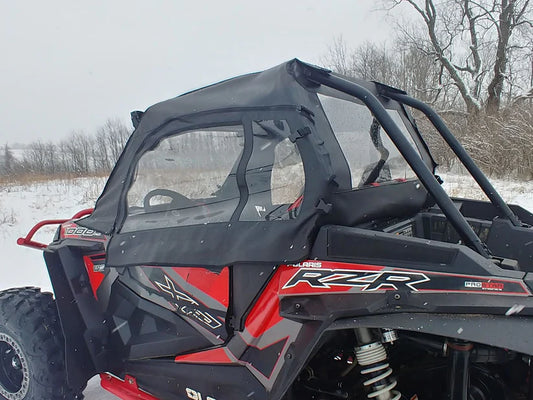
(78, 154)
(472, 60)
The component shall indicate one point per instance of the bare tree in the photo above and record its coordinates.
(41, 158)
(9, 165)
(400, 65)
(34, 158)
(109, 142)
(80, 153)
(337, 57)
(472, 40)
(117, 135)
(101, 157)
(460, 74)
(511, 15)
(78, 149)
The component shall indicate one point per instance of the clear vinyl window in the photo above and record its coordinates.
(187, 179)
(274, 174)
(371, 155)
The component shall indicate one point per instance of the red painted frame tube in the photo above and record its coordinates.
(27, 240)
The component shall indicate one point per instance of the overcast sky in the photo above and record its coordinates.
(70, 65)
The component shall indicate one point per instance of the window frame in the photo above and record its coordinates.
(291, 114)
(162, 212)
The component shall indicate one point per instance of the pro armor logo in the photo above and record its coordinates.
(494, 286)
(366, 280)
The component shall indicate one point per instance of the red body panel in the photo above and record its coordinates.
(337, 278)
(265, 312)
(215, 356)
(216, 285)
(95, 277)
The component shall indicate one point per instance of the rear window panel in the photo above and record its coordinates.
(364, 143)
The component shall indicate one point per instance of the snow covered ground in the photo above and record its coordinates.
(21, 206)
(513, 192)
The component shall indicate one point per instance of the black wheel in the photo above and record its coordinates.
(32, 365)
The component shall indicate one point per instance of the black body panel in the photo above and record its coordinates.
(84, 326)
(340, 243)
(142, 329)
(514, 242)
(180, 303)
(247, 283)
(166, 379)
(485, 210)
(501, 237)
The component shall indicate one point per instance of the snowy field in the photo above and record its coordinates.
(23, 206)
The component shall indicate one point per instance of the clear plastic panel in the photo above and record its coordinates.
(274, 175)
(371, 155)
(187, 179)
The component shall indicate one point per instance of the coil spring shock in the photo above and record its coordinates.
(376, 371)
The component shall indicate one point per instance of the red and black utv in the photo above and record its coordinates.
(280, 235)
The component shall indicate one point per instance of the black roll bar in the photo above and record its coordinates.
(461, 153)
(408, 152)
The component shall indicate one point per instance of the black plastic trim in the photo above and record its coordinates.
(82, 323)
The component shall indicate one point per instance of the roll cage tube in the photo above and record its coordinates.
(459, 151)
(408, 152)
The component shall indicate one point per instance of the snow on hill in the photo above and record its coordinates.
(513, 192)
(21, 207)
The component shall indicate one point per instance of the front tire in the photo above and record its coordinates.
(32, 361)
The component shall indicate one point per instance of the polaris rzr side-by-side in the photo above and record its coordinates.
(280, 235)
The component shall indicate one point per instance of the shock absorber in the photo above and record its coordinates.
(372, 357)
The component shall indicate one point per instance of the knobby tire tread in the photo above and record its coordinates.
(30, 317)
